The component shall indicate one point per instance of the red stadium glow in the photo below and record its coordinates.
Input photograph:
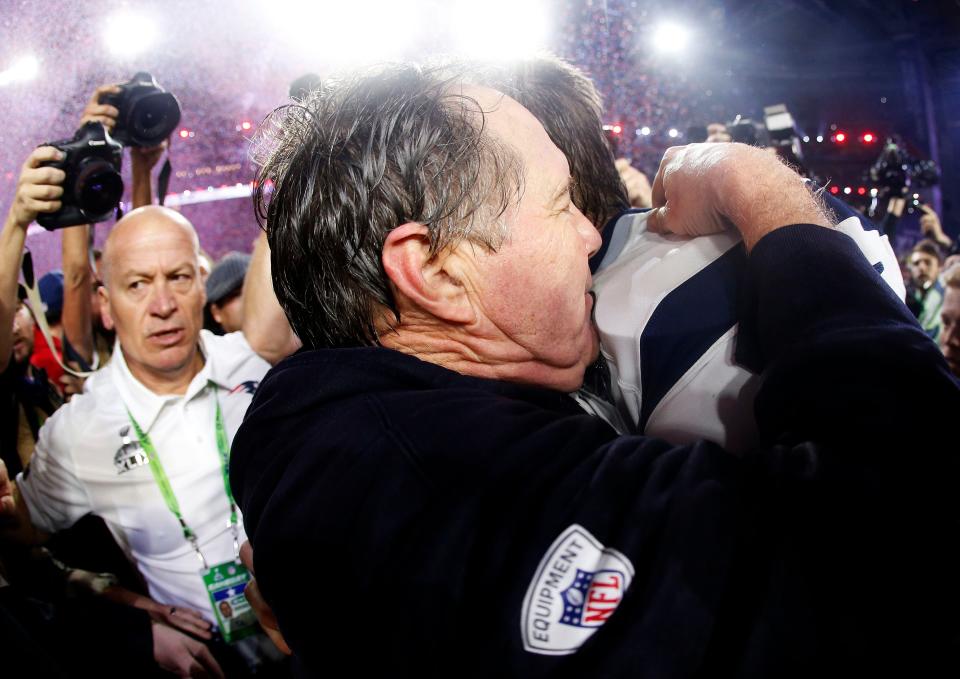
(841, 137)
(834, 189)
(868, 138)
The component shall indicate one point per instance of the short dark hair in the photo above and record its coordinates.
(567, 104)
(361, 155)
(929, 247)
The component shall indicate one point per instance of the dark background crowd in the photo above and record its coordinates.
(872, 90)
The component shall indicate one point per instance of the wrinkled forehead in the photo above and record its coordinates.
(150, 245)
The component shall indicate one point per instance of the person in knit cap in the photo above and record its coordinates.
(225, 291)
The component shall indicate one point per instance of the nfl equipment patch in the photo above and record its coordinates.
(577, 587)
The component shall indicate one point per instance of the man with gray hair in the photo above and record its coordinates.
(146, 445)
(436, 505)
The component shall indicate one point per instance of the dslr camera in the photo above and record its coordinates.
(93, 187)
(147, 112)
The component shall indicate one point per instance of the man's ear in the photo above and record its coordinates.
(105, 317)
(215, 313)
(421, 279)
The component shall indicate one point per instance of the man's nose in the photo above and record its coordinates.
(162, 302)
(589, 234)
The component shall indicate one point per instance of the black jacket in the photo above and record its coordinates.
(412, 520)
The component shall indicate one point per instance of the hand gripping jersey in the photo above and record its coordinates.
(667, 315)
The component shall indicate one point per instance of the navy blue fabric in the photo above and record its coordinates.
(398, 510)
(844, 211)
(685, 324)
(606, 235)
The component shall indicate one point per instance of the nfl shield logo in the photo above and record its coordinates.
(577, 587)
(592, 597)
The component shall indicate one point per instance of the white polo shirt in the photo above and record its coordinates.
(76, 468)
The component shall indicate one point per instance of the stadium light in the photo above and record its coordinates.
(673, 133)
(499, 29)
(644, 131)
(670, 38)
(347, 33)
(23, 69)
(128, 33)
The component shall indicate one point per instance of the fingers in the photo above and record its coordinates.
(7, 504)
(100, 91)
(208, 664)
(42, 154)
(246, 555)
(189, 621)
(928, 210)
(106, 121)
(265, 616)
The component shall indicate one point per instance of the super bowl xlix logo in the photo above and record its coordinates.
(577, 587)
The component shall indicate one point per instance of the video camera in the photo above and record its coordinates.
(896, 170)
(92, 188)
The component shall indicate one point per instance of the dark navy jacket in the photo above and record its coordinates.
(400, 512)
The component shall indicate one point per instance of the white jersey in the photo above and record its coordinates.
(88, 459)
(667, 316)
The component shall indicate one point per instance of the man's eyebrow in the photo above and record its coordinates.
(565, 189)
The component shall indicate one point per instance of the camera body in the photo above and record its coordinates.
(93, 186)
(147, 112)
(896, 170)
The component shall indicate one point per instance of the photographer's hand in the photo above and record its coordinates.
(38, 190)
(142, 162)
(101, 113)
(638, 186)
(930, 226)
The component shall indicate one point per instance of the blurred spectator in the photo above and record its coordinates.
(225, 292)
(45, 356)
(950, 319)
(28, 397)
(637, 184)
(931, 228)
(926, 289)
(717, 132)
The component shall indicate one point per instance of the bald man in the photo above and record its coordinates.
(146, 445)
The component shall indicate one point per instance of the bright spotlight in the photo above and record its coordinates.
(23, 69)
(847, 190)
(128, 34)
(670, 38)
(500, 29)
(819, 138)
(673, 133)
(347, 33)
(645, 131)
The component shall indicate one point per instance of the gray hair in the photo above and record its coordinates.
(361, 155)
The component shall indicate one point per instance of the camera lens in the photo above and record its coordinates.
(153, 118)
(98, 188)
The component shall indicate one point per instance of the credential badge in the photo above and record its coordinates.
(577, 587)
(130, 455)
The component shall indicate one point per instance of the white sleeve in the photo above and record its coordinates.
(49, 485)
(877, 250)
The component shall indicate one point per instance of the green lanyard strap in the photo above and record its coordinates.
(166, 490)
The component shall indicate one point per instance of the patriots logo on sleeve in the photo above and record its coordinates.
(249, 387)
